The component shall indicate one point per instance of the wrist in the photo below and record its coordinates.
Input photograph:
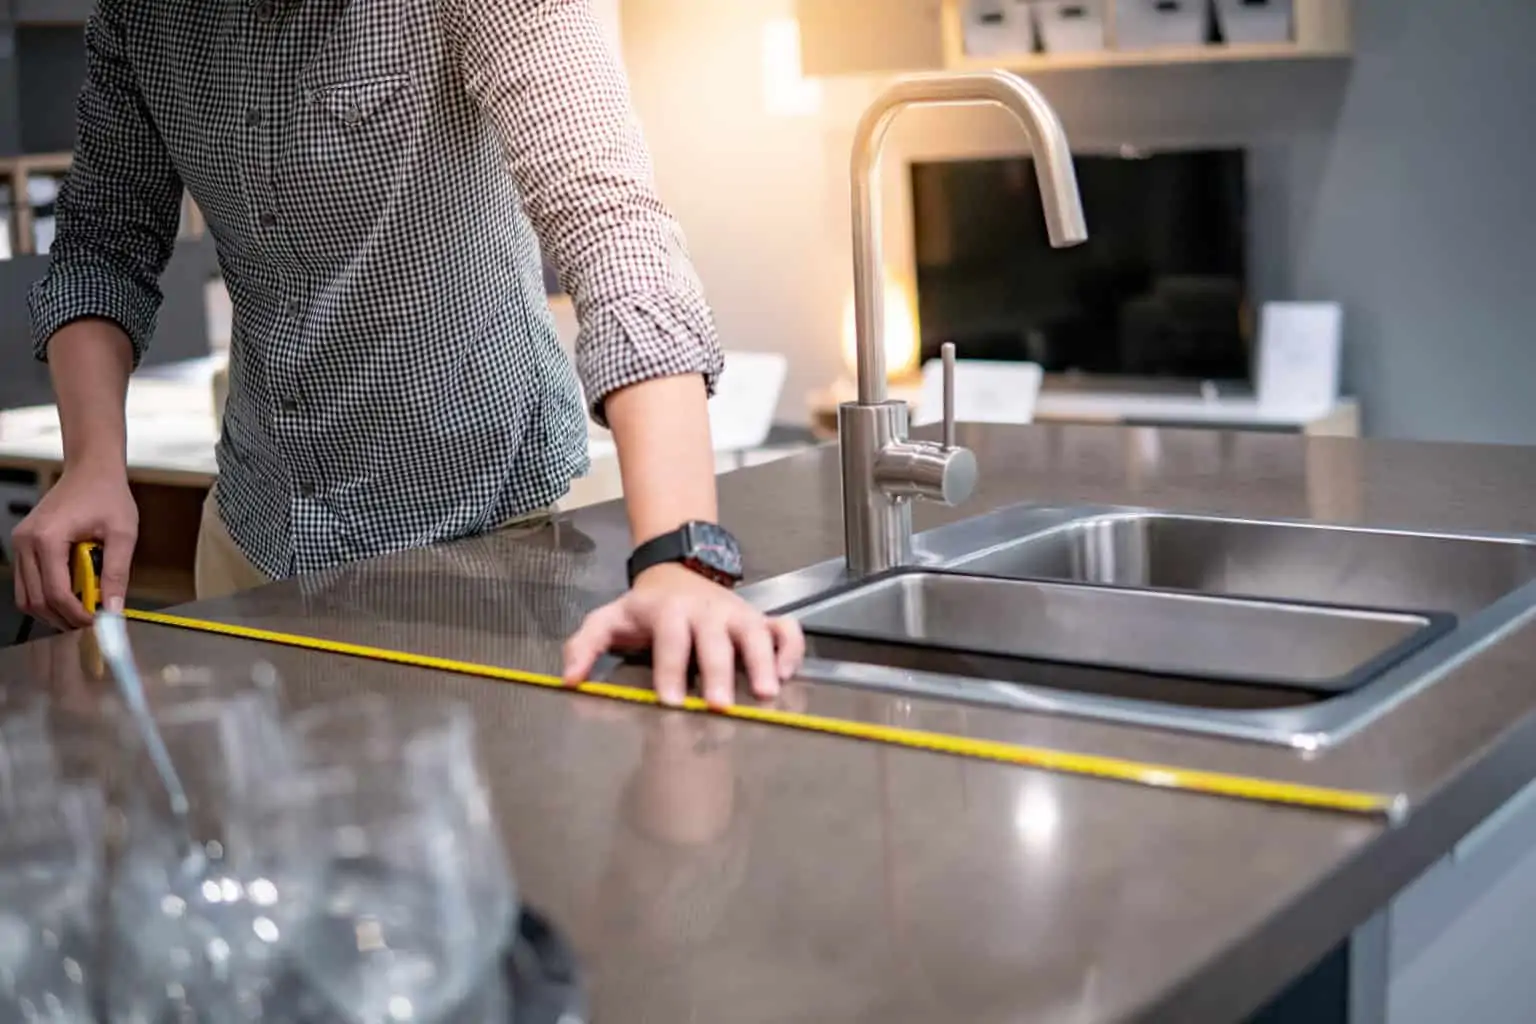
(705, 550)
(98, 463)
(673, 572)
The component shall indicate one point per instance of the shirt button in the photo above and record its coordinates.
(351, 113)
(307, 489)
(266, 10)
(290, 404)
(294, 308)
(253, 117)
(268, 219)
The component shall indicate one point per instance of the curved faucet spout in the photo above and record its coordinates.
(1053, 167)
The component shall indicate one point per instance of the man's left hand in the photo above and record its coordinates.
(680, 614)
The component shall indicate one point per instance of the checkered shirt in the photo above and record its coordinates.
(395, 376)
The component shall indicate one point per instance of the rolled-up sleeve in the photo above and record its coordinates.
(119, 208)
(544, 72)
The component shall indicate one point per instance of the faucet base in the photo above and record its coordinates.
(877, 527)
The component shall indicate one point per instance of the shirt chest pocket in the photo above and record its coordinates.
(365, 43)
(352, 103)
(358, 127)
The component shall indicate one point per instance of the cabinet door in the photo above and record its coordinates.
(52, 12)
(839, 37)
(10, 98)
(1460, 939)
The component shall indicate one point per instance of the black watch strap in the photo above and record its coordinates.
(705, 548)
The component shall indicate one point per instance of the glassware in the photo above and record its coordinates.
(29, 767)
(418, 902)
(50, 873)
(176, 685)
(201, 939)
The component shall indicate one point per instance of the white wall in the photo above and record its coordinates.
(764, 199)
(765, 228)
(1397, 182)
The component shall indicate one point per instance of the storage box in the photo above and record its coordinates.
(998, 27)
(1255, 21)
(1149, 24)
(1070, 26)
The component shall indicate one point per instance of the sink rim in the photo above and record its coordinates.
(1431, 625)
(1121, 514)
(1310, 728)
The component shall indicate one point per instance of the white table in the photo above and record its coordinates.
(1134, 408)
(171, 436)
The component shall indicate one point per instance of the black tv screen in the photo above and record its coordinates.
(1159, 289)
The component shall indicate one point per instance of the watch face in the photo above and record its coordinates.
(713, 548)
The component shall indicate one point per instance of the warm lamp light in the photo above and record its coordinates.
(901, 341)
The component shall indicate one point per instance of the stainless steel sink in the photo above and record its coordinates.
(1146, 631)
(1286, 561)
(1281, 632)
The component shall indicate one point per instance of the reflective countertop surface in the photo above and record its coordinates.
(720, 871)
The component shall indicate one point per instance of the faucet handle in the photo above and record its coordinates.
(942, 472)
(947, 353)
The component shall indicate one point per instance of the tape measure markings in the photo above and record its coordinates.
(1093, 765)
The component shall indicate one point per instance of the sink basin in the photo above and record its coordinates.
(1307, 647)
(1285, 561)
(1279, 632)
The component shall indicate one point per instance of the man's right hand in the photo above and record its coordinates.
(83, 505)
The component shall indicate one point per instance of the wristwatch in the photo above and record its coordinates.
(706, 548)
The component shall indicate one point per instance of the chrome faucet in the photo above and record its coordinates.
(882, 468)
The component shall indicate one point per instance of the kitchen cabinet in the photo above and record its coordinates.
(10, 108)
(841, 37)
(1460, 935)
(859, 36)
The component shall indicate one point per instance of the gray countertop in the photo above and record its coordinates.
(719, 871)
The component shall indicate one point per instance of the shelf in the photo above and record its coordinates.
(836, 38)
(1322, 32)
(1214, 53)
(15, 170)
(35, 163)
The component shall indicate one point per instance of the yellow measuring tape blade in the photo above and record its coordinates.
(1118, 769)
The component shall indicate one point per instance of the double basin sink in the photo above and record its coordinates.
(1279, 632)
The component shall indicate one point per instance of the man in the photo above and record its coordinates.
(395, 379)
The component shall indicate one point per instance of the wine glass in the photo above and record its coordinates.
(32, 763)
(177, 685)
(202, 937)
(417, 899)
(50, 872)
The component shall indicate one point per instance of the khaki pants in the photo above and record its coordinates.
(221, 568)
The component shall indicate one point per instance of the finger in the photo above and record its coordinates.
(754, 640)
(789, 639)
(671, 646)
(30, 583)
(596, 635)
(717, 661)
(19, 548)
(116, 560)
(37, 598)
(53, 562)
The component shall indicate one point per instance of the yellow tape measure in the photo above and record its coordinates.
(1118, 769)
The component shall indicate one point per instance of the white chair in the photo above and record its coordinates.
(746, 398)
(742, 410)
(985, 392)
